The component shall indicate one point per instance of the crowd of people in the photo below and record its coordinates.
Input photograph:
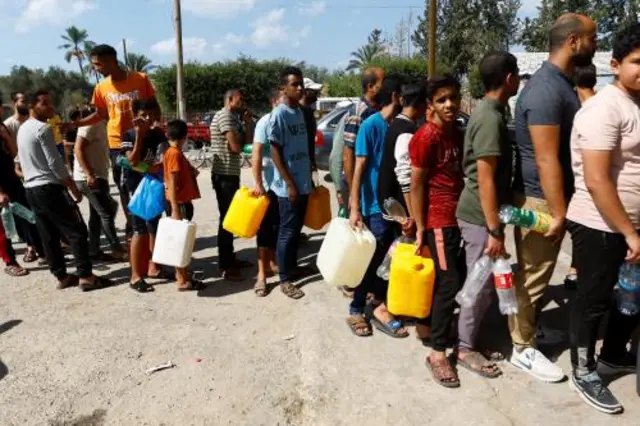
(575, 157)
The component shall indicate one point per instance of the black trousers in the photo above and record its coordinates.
(599, 256)
(446, 249)
(225, 187)
(56, 216)
(102, 213)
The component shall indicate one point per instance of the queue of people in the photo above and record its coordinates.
(577, 156)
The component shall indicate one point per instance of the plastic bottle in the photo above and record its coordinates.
(503, 279)
(394, 211)
(384, 270)
(530, 219)
(20, 210)
(343, 213)
(8, 223)
(629, 289)
(125, 163)
(474, 284)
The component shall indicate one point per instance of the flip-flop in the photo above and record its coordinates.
(260, 289)
(16, 271)
(390, 329)
(141, 287)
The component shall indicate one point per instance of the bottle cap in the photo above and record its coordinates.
(418, 267)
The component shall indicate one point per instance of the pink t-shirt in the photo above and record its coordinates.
(610, 121)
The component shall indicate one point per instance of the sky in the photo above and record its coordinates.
(320, 32)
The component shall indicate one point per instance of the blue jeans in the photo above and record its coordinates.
(372, 283)
(291, 221)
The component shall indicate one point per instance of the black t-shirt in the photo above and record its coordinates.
(312, 127)
(155, 144)
(388, 185)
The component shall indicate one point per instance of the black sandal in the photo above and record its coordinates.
(141, 287)
(193, 285)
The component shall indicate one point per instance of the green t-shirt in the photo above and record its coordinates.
(486, 136)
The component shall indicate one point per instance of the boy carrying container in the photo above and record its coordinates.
(181, 190)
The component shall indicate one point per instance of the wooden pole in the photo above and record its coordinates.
(433, 6)
(177, 16)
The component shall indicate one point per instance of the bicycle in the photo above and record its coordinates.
(203, 158)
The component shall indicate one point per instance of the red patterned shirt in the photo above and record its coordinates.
(441, 156)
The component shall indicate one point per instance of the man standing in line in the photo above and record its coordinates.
(488, 167)
(544, 180)
(292, 175)
(308, 106)
(47, 182)
(20, 115)
(113, 99)
(228, 137)
(372, 79)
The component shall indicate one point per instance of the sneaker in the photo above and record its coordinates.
(535, 363)
(624, 364)
(595, 393)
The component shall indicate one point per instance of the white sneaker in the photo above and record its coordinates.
(535, 363)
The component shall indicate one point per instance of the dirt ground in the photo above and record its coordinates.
(74, 359)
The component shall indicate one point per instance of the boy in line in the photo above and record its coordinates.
(181, 190)
(292, 175)
(143, 144)
(262, 168)
(436, 183)
(604, 219)
(488, 167)
(365, 209)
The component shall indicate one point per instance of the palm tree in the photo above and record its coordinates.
(364, 55)
(139, 63)
(88, 47)
(75, 40)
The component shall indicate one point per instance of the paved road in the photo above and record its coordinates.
(68, 358)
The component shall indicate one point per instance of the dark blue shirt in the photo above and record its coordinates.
(548, 99)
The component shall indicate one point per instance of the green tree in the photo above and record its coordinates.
(74, 45)
(374, 48)
(140, 63)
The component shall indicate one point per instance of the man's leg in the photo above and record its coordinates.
(104, 207)
(537, 258)
(286, 254)
(225, 188)
(599, 256)
(475, 242)
(95, 224)
(116, 171)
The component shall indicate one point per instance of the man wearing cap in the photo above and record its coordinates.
(308, 104)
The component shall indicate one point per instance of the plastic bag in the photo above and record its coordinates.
(384, 269)
(148, 202)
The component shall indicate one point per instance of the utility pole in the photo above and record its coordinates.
(433, 6)
(177, 16)
(124, 50)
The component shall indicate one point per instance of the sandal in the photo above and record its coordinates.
(69, 281)
(392, 328)
(98, 283)
(141, 287)
(193, 285)
(359, 326)
(478, 364)
(260, 288)
(30, 256)
(443, 373)
(291, 291)
(493, 356)
(16, 271)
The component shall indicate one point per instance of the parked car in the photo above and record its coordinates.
(327, 126)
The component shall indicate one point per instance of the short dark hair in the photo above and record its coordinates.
(103, 50)
(14, 96)
(565, 26)
(287, 71)
(414, 93)
(440, 82)
(392, 85)
(144, 105)
(34, 97)
(369, 77)
(586, 76)
(231, 93)
(495, 67)
(626, 41)
(177, 130)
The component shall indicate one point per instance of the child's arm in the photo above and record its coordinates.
(172, 187)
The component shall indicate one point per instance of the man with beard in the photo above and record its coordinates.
(544, 180)
(20, 115)
(113, 99)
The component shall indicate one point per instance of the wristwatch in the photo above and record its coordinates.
(496, 232)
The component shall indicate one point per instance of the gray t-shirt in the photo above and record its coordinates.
(13, 124)
(225, 162)
(548, 99)
(38, 156)
(96, 152)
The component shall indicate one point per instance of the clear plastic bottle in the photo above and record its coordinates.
(384, 270)
(8, 223)
(475, 281)
(394, 211)
(629, 289)
(530, 219)
(20, 210)
(503, 279)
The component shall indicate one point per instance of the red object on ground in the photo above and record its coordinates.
(319, 138)
(4, 255)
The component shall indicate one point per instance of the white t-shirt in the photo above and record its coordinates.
(609, 121)
(96, 152)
